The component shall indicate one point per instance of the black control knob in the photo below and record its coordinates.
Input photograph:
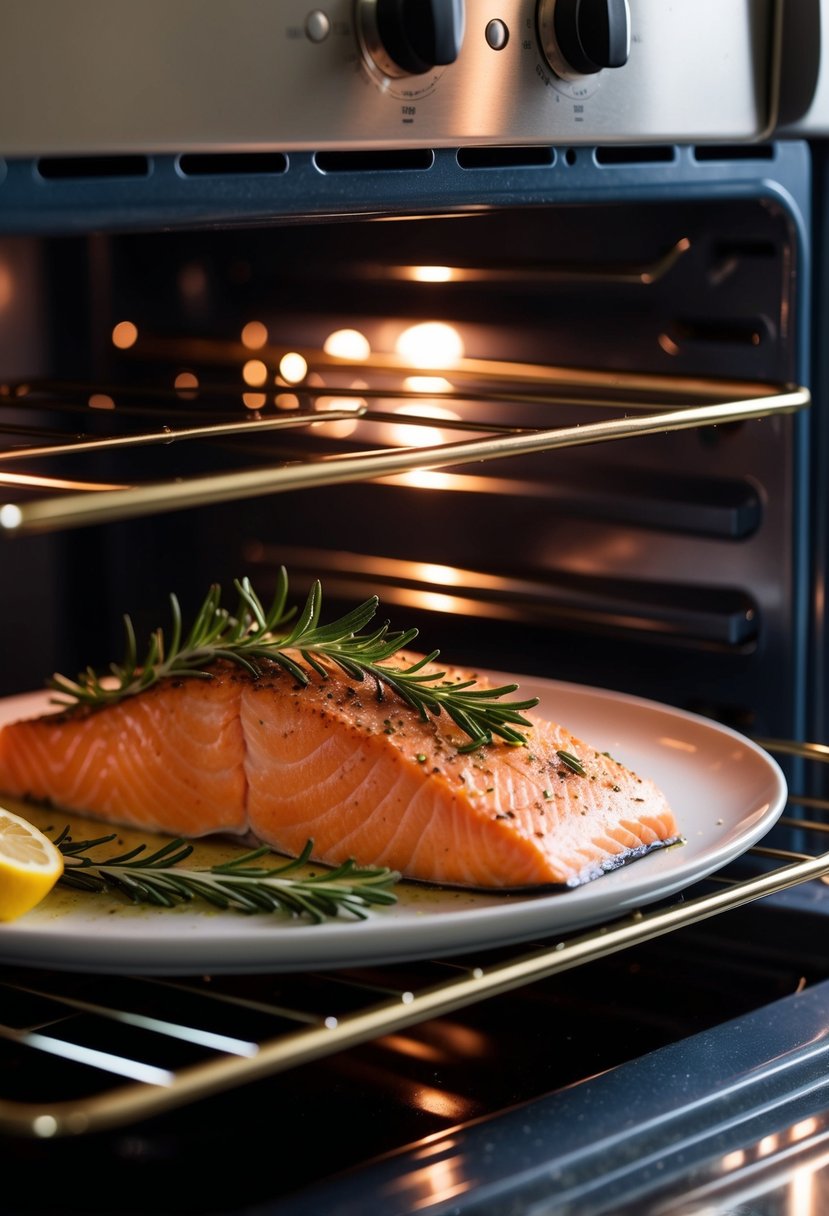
(581, 37)
(410, 37)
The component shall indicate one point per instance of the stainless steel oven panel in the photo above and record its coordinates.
(103, 76)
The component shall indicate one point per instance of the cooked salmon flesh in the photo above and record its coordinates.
(268, 759)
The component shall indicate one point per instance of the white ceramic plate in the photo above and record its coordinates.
(725, 791)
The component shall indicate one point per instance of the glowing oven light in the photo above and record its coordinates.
(255, 373)
(431, 274)
(427, 479)
(124, 335)
(431, 344)
(254, 401)
(11, 517)
(441, 576)
(293, 367)
(254, 335)
(347, 344)
(415, 435)
(186, 384)
(427, 384)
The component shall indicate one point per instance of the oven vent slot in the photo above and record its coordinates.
(221, 164)
(380, 161)
(175, 1041)
(79, 168)
(506, 157)
(724, 152)
(735, 331)
(620, 154)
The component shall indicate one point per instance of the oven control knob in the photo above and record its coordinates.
(410, 37)
(581, 37)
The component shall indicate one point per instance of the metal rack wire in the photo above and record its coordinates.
(189, 1029)
(625, 405)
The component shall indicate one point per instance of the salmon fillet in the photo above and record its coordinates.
(267, 759)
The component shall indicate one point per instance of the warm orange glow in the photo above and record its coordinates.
(287, 401)
(440, 1102)
(124, 335)
(768, 1144)
(443, 576)
(255, 373)
(416, 435)
(413, 1048)
(336, 428)
(678, 745)
(427, 384)
(433, 1183)
(347, 344)
(254, 401)
(6, 286)
(185, 384)
(254, 335)
(806, 1127)
(430, 344)
(803, 1191)
(101, 401)
(431, 274)
(424, 479)
(433, 601)
(342, 427)
(293, 367)
(32, 481)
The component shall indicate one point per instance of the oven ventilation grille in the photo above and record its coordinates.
(361, 422)
(177, 1020)
(221, 164)
(75, 168)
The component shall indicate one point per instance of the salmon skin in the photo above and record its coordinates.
(269, 760)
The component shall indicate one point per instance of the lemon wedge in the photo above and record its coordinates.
(30, 865)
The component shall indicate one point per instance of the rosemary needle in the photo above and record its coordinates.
(254, 633)
(239, 885)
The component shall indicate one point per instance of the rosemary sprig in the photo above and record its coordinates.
(239, 885)
(254, 633)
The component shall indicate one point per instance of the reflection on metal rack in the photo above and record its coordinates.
(644, 273)
(640, 405)
(39, 1009)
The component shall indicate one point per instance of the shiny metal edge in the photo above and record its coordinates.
(710, 1125)
(129, 502)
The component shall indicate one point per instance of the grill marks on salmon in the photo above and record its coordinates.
(266, 759)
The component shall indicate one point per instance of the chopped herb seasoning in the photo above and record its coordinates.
(572, 762)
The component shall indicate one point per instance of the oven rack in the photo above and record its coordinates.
(45, 1016)
(47, 497)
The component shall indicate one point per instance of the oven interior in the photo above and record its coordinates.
(677, 563)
